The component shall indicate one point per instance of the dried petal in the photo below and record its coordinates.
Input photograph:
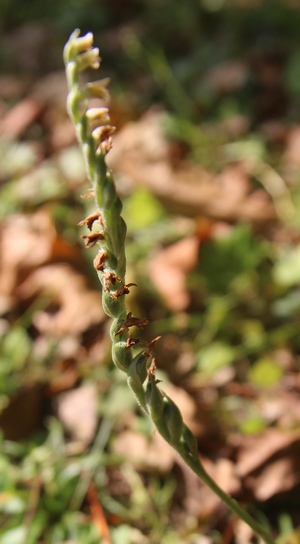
(91, 239)
(89, 221)
(102, 133)
(100, 260)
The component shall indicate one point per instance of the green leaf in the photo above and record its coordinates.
(223, 260)
(11, 503)
(287, 269)
(16, 347)
(265, 373)
(252, 425)
(287, 306)
(122, 534)
(14, 536)
(215, 356)
(142, 209)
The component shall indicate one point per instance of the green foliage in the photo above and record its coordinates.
(215, 356)
(234, 255)
(265, 373)
(142, 209)
(287, 268)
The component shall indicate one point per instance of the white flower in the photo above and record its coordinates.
(84, 43)
(89, 59)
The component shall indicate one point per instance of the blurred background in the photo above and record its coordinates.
(206, 100)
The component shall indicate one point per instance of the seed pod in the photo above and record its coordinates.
(173, 419)
(111, 306)
(121, 356)
(156, 406)
(189, 442)
(137, 373)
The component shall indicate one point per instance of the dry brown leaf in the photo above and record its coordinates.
(77, 410)
(168, 269)
(20, 117)
(284, 409)
(78, 308)
(257, 449)
(142, 154)
(26, 242)
(154, 454)
(277, 477)
(269, 463)
(29, 242)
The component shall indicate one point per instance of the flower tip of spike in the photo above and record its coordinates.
(84, 43)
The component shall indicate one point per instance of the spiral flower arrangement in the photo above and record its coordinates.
(106, 229)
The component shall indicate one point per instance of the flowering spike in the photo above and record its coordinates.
(94, 135)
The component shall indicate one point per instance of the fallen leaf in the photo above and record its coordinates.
(141, 153)
(20, 117)
(154, 454)
(77, 410)
(277, 477)
(269, 463)
(256, 450)
(168, 270)
(26, 242)
(78, 308)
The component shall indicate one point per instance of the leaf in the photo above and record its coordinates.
(14, 536)
(16, 347)
(252, 425)
(266, 372)
(77, 410)
(224, 259)
(287, 269)
(142, 209)
(215, 356)
(11, 503)
(168, 270)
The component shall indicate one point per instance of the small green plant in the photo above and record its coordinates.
(107, 230)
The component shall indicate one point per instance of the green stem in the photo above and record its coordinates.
(232, 504)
